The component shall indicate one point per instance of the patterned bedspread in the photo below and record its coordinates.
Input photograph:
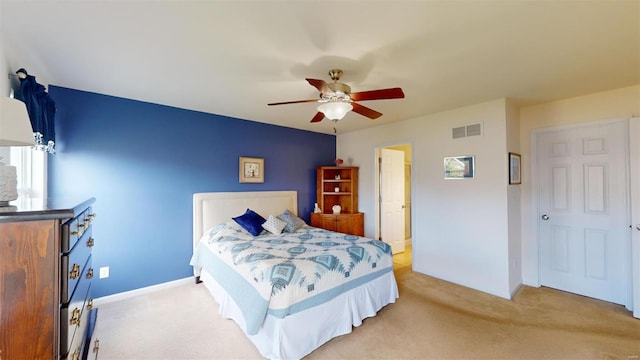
(286, 273)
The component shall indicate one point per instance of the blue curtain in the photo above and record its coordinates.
(41, 109)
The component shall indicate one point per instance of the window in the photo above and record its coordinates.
(31, 168)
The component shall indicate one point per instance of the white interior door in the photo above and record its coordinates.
(583, 217)
(392, 198)
(634, 153)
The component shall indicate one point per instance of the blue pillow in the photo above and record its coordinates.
(250, 221)
(293, 222)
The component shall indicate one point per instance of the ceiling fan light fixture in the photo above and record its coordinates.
(335, 110)
(336, 99)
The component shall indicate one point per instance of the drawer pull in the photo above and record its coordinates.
(75, 317)
(77, 233)
(90, 273)
(81, 225)
(89, 304)
(75, 272)
(96, 346)
(75, 355)
(90, 242)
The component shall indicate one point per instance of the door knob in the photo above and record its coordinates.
(545, 217)
(638, 227)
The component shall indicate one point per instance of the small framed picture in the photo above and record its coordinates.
(251, 170)
(458, 167)
(514, 168)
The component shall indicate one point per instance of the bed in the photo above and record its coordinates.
(285, 300)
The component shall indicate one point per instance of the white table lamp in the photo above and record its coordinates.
(15, 130)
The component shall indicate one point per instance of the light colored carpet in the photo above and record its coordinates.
(432, 319)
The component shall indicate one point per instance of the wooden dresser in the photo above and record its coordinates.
(338, 185)
(352, 224)
(46, 308)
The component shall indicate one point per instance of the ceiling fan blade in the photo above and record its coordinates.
(293, 102)
(319, 116)
(365, 111)
(321, 85)
(392, 93)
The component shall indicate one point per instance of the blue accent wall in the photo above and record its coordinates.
(143, 162)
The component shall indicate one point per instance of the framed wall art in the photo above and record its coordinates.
(459, 167)
(514, 168)
(251, 170)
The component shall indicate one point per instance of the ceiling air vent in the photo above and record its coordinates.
(465, 131)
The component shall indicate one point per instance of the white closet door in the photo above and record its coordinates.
(583, 224)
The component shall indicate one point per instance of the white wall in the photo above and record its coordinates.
(5, 63)
(514, 204)
(4, 80)
(618, 103)
(634, 147)
(9, 64)
(461, 227)
(478, 233)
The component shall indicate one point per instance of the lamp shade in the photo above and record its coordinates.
(15, 126)
(335, 110)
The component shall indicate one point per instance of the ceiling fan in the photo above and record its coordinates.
(336, 99)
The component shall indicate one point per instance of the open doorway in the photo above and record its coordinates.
(393, 191)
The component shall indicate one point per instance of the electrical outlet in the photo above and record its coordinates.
(104, 272)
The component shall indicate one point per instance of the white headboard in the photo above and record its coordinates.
(210, 209)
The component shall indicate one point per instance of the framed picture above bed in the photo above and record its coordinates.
(251, 170)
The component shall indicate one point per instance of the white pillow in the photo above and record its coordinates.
(274, 225)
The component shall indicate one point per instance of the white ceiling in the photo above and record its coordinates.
(233, 57)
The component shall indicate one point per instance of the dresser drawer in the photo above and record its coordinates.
(73, 229)
(73, 265)
(72, 317)
(76, 347)
(91, 343)
(71, 232)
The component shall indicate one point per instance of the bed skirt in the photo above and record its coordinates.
(297, 335)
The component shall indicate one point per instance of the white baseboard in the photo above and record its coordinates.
(142, 291)
(515, 290)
